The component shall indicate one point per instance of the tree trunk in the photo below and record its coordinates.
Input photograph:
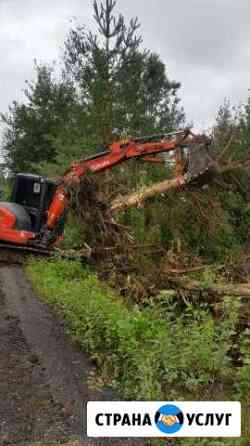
(240, 290)
(137, 198)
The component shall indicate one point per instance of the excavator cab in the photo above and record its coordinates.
(33, 193)
(22, 219)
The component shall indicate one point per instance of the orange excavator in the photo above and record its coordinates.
(34, 218)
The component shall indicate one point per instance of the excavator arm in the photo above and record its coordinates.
(145, 148)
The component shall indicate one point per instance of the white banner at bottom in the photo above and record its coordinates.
(163, 419)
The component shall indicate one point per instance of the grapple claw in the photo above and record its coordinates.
(200, 160)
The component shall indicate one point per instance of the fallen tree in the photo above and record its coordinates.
(240, 289)
(136, 199)
(215, 294)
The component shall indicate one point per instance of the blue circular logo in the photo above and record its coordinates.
(169, 419)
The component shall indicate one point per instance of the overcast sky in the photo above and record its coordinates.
(204, 43)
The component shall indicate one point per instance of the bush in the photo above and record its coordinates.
(73, 233)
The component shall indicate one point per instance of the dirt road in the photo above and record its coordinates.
(43, 378)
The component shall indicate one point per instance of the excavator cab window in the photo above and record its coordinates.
(27, 190)
(37, 188)
(34, 193)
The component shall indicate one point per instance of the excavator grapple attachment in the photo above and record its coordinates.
(199, 161)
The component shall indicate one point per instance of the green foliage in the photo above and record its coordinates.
(5, 189)
(124, 88)
(216, 226)
(73, 233)
(244, 372)
(146, 353)
(31, 127)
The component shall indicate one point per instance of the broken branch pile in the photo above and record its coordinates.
(112, 242)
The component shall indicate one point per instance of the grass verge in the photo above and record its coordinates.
(149, 353)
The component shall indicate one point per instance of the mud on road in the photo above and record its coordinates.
(43, 377)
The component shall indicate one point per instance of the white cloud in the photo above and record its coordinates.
(204, 44)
